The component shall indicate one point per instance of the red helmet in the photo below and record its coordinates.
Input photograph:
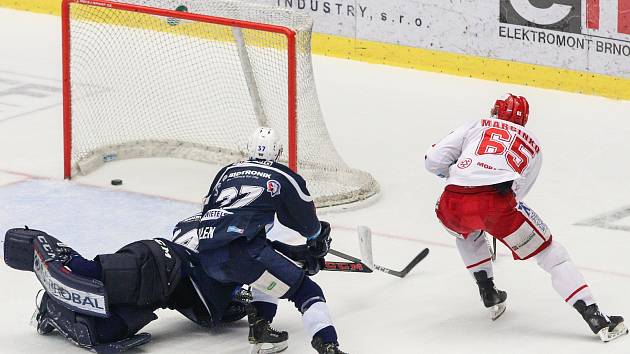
(514, 109)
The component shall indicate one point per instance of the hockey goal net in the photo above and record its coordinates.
(192, 80)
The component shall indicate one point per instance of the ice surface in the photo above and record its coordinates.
(381, 119)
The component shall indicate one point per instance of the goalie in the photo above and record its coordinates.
(101, 304)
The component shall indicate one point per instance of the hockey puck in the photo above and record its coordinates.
(116, 182)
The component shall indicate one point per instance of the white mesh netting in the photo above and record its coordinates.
(149, 86)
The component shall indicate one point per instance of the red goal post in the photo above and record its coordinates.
(67, 92)
(145, 78)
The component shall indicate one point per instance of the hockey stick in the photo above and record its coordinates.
(294, 253)
(352, 267)
(355, 264)
(365, 242)
(494, 249)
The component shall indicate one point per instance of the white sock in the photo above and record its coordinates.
(565, 277)
(475, 253)
(316, 318)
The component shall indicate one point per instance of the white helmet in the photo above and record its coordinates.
(264, 144)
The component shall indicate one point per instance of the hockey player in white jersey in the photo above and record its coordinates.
(490, 165)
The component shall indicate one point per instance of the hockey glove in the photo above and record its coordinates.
(319, 245)
(311, 265)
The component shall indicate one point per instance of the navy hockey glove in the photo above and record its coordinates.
(319, 245)
(311, 265)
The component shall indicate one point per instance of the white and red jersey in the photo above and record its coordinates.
(485, 152)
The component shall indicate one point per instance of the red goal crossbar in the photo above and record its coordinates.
(67, 89)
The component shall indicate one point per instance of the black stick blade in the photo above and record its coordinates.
(422, 255)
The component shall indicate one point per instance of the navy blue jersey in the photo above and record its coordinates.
(199, 297)
(245, 196)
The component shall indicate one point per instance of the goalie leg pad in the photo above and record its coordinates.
(36, 251)
(102, 335)
(121, 277)
(142, 273)
(77, 293)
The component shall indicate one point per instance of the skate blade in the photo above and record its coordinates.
(268, 348)
(496, 311)
(607, 335)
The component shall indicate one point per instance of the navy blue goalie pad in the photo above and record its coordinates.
(34, 250)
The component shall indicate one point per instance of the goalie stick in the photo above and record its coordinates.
(365, 242)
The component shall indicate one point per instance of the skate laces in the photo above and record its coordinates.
(598, 313)
(271, 329)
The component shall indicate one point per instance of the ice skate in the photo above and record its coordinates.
(325, 348)
(263, 338)
(606, 327)
(51, 315)
(493, 299)
(39, 320)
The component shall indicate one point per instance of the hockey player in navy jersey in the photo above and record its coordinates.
(238, 212)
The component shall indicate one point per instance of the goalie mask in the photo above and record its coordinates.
(514, 109)
(264, 144)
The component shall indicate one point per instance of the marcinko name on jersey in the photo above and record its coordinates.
(249, 173)
(522, 134)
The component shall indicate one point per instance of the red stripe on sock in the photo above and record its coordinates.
(575, 292)
(478, 263)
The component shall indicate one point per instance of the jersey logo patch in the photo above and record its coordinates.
(464, 163)
(235, 229)
(273, 187)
